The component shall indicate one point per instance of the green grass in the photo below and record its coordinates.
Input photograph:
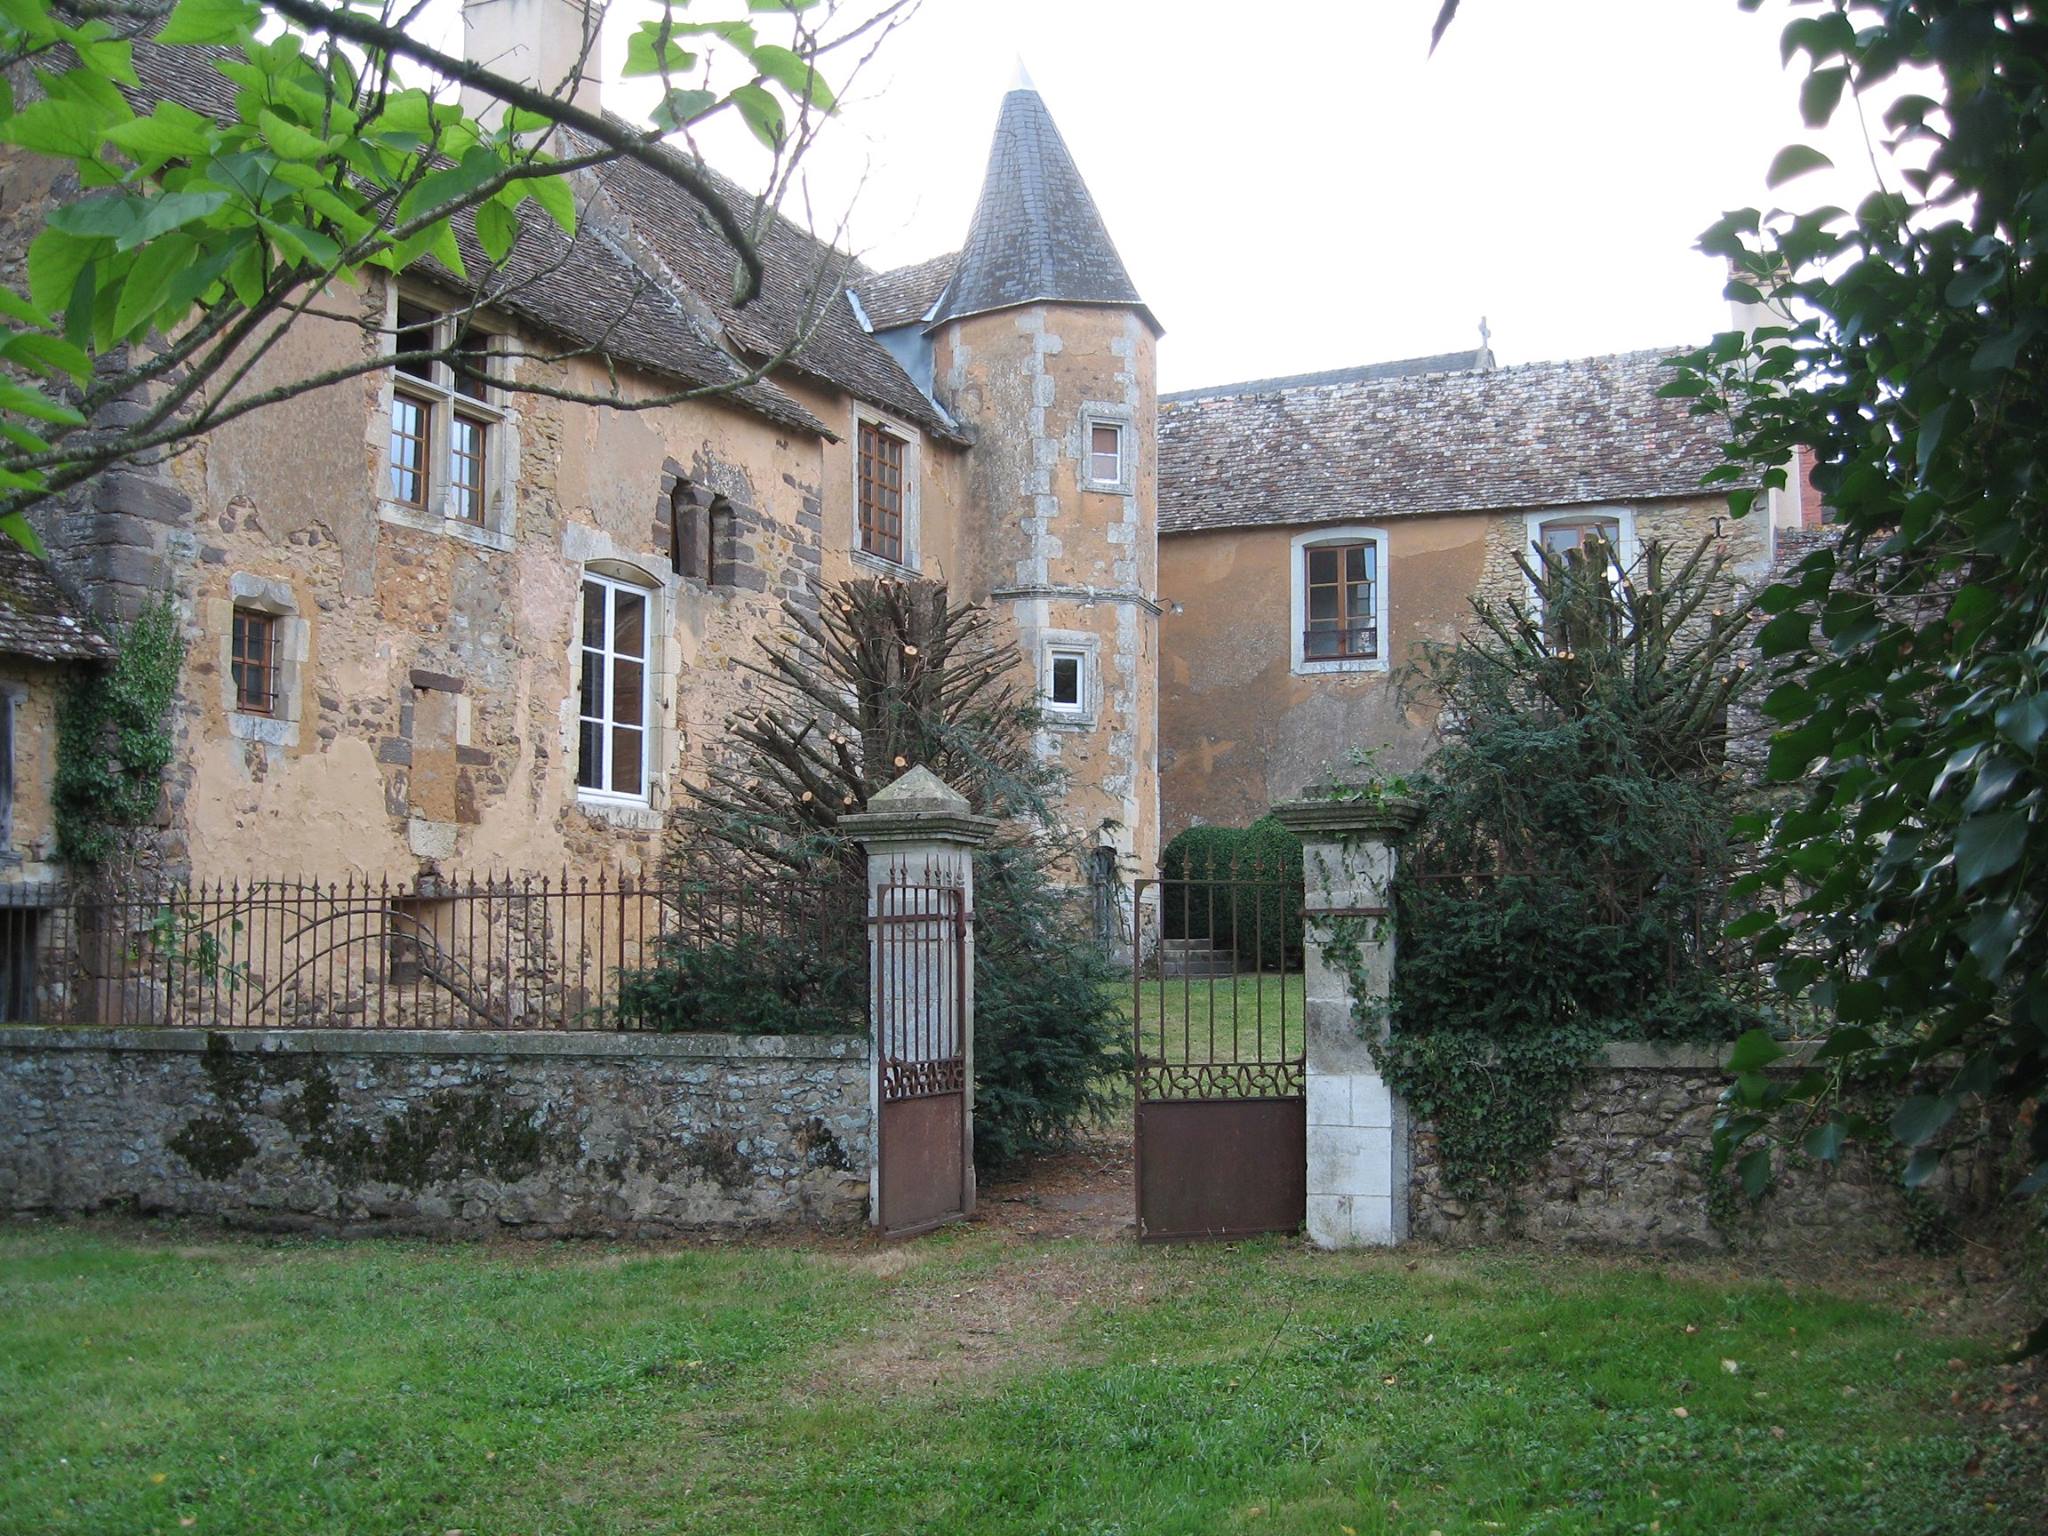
(967, 1383)
(1224, 1018)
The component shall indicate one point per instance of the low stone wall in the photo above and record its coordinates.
(1631, 1168)
(448, 1132)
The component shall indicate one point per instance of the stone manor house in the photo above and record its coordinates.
(436, 626)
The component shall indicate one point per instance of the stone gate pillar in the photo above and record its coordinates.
(920, 836)
(1357, 1129)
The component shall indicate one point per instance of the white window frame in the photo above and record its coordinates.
(650, 596)
(1095, 414)
(1304, 665)
(444, 400)
(913, 478)
(1087, 648)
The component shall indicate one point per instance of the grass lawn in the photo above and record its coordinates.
(167, 1381)
(1225, 1018)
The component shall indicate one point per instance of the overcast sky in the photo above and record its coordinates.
(1301, 186)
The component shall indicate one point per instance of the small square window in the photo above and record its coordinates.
(253, 658)
(1065, 689)
(1106, 453)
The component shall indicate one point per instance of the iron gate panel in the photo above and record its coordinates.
(924, 1140)
(1219, 1108)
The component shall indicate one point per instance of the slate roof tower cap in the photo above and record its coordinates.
(1037, 237)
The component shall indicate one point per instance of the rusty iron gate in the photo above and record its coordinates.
(924, 1143)
(1219, 1040)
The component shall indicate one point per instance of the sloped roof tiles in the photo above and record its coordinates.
(1587, 430)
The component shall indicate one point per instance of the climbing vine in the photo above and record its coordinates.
(1565, 884)
(114, 739)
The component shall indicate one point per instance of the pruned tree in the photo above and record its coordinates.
(886, 675)
(334, 150)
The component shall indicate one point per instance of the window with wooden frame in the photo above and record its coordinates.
(444, 416)
(615, 691)
(253, 659)
(1340, 585)
(879, 489)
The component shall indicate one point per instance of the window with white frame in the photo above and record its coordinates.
(441, 458)
(1338, 590)
(1064, 689)
(1106, 449)
(615, 689)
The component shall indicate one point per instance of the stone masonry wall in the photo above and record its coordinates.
(472, 1133)
(1630, 1169)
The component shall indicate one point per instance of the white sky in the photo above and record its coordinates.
(1300, 186)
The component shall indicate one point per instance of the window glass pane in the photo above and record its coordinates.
(1354, 563)
(629, 624)
(1066, 680)
(1322, 565)
(473, 354)
(627, 690)
(627, 745)
(408, 450)
(1322, 604)
(415, 334)
(466, 468)
(1359, 605)
(590, 755)
(590, 690)
(1320, 643)
(593, 614)
(1106, 446)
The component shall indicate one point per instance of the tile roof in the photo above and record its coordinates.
(1590, 429)
(653, 295)
(1036, 235)
(904, 295)
(36, 618)
(1441, 362)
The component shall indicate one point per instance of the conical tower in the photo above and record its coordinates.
(1042, 344)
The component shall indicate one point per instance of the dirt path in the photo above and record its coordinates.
(1085, 1192)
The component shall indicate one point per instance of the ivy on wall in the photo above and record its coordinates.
(114, 739)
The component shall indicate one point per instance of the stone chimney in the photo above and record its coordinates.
(537, 43)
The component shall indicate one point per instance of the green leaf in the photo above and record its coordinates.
(71, 129)
(1794, 161)
(1920, 1167)
(288, 138)
(762, 112)
(794, 74)
(55, 259)
(15, 307)
(143, 294)
(1755, 1171)
(1921, 1117)
(1786, 633)
(173, 210)
(18, 528)
(496, 230)
(1988, 846)
(2024, 722)
(1821, 93)
(51, 354)
(1754, 1051)
(680, 108)
(1824, 1142)
(556, 198)
(171, 132)
(211, 21)
(27, 400)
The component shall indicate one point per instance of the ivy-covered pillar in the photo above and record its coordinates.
(1357, 1128)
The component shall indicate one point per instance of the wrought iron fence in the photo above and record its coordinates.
(491, 952)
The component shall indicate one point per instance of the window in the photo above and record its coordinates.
(443, 419)
(614, 694)
(1066, 676)
(1339, 600)
(1343, 621)
(1066, 681)
(1564, 536)
(1106, 453)
(1573, 534)
(880, 492)
(253, 658)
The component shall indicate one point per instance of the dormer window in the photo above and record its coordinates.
(443, 456)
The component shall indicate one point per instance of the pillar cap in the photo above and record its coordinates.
(919, 807)
(1339, 810)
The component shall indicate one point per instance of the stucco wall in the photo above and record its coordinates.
(1240, 730)
(471, 1132)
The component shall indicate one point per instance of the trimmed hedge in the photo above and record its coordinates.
(1259, 916)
